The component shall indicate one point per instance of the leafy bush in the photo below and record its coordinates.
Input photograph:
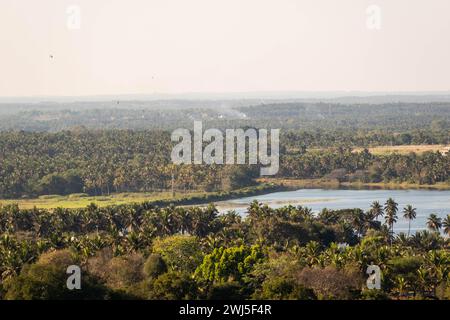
(226, 291)
(285, 289)
(229, 264)
(154, 266)
(46, 280)
(173, 286)
(180, 253)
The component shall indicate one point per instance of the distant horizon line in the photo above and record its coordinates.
(232, 95)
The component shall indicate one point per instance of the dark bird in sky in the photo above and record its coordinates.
(51, 56)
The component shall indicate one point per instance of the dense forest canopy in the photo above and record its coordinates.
(101, 162)
(127, 148)
(225, 114)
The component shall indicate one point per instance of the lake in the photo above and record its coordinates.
(426, 202)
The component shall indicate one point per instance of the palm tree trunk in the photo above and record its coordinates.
(409, 226)
(392, 233)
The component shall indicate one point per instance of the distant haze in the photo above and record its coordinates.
(159, 47)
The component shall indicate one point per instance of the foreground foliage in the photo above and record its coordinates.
(146, 252)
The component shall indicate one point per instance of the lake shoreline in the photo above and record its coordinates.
(265, 186)
(426, 202)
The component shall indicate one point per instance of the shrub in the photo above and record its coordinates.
(173, 286)
(226, 291)
(331, 283)
(229, 264)
(285, 289)
(47, 280)
(180, 253)
(154, 266)
(117, 272)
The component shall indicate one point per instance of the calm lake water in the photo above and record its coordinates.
(426, 202)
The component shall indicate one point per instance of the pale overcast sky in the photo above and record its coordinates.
(176, 46)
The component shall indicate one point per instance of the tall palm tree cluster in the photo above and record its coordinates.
(413, 265)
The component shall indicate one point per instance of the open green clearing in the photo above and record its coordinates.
(81, 201)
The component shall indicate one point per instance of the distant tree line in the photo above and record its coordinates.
(343, 164)
(392, 117)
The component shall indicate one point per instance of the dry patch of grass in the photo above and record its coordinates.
(334, 184)
(301, 183)
(380, 150)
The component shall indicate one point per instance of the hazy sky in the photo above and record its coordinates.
(175, 46)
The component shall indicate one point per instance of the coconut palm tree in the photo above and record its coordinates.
(446, 225)
(183, 219)
(422, 279)
(434, 223)
(391, 208)
(312, 253)
(425, 240)
(357, 220)
(402, 239)
(376, 210)
(409, 213)
(401, 285)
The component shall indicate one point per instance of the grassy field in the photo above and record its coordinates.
(380, 150)
(76, 201)
(156, 198)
